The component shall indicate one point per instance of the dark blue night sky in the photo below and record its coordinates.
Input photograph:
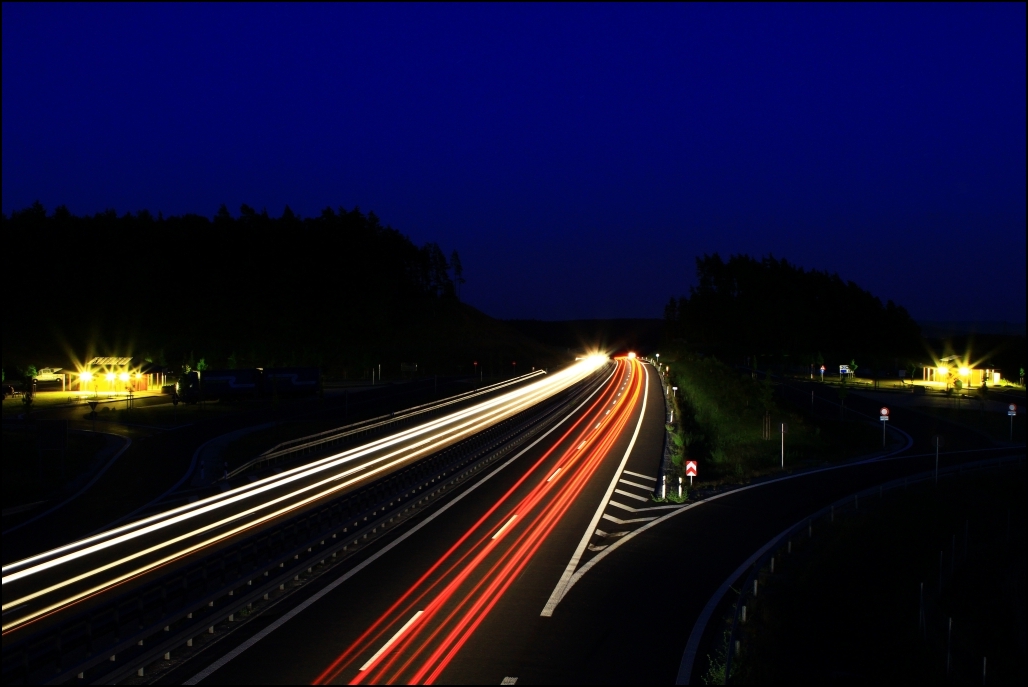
(578, 156)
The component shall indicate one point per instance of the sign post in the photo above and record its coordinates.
(785, 430)
(1011, 412)
(937, 442)
(690, 470)
(884, 417)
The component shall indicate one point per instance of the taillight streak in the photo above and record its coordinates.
(530, 530)
(381, 626)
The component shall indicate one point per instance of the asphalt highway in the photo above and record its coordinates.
(38, 588)
(552, 576)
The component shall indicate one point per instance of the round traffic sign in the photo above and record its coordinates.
(1012, 406)
(884, 411)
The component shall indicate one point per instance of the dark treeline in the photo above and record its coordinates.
(339, 290)
(583, 336)
(777, 311)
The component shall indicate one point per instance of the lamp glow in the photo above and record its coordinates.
(109, 376)
(123, 376)
(943, 370)
(86, 376)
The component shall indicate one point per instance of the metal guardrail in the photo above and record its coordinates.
(773, 548)
(137, 627)
(316, 442)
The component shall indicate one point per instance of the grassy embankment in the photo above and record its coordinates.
(29, 477)
(844, 607)
(719, 418)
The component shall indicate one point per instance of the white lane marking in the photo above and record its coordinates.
(580, 446)
(631, 495)
(554, 474)
(593, 547)
(612, 535)
(681, 509)
(619, 521)
(635, 484)
(391, 641)
(505, 525)
(639, 474)
(558, 592)
(643, 510)
(235, 653)
(509, 681)
(607, 413)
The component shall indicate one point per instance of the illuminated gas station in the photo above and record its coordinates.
(952, 369)
(117, 375)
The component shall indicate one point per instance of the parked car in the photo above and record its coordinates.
(48, 374)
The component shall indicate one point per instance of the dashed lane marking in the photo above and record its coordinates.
(635, 484)
(505, 526)
(391, 641)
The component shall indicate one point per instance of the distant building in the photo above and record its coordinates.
(118, 375)
(949, 370)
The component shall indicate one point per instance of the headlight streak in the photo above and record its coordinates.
(488, 413)
(523, 536)
(537, 389)
(406, 456)
(380, 627)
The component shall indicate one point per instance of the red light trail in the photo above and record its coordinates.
(418, 636)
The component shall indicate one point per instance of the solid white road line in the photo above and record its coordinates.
(619, 521)
(505, 525)
(894, 455)
(558, 592)
(639, 474)
(224, 660)
(391, 641)
(631, 495)
(645, 510)
(635, 484)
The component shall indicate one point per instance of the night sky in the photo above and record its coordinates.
(577, 156)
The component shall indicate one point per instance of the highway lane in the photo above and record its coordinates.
(462, 572)
(37, 588)
(627, 620)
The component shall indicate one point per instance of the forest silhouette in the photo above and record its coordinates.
(745, 309)
(339, 290)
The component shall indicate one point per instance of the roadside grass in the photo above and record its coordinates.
(24, 466)
(42, 399)
(720, 413)
(845, 606)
